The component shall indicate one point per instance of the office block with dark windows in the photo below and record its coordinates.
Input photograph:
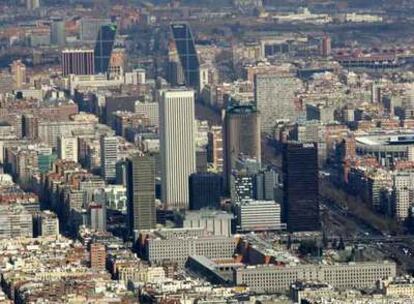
(301, 187)
(205, 190)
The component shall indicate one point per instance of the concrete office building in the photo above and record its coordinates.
(215, 148)
(177, 249)
(275, 98)
(97, 217)
(149, 110)
(402, 194)
(241, 137)
(301, 187)
(46, 224)
(109, 157)
(15, 221)
(78, 62)
(98, 256)
(49, 131)
(18, 70)
(271, 278)
(141, 192)
(259, 216)
(68, 148)
(177, 140)
(264, 184)
(57, 32)
(217, 223)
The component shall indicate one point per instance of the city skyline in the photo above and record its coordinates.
(186, 151)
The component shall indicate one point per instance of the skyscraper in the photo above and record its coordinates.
(215, 147)
(274, 96)
(141, 192)
(78, 62)
(205, 190)
(301, 187)
(18, 70)
(177, 146)
(103, 48)
(241, 137)
(326, 47)
(57, 32)
(187, 54)
(109, 157)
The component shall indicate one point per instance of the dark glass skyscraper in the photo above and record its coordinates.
(187, 54)
(141, 192)
(205, 190)
(103, 47)
(301, 187)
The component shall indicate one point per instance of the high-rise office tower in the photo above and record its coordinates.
(18, 70)
(215, 147)
(274, 96)
(103, 48)
(185, 48)
(205, 190)
(301, 187)
(241, 137)
(109, 157)
(78, 62)
(177, 146)
(141, 192)
(68, 148)
(57, 32)
(326, 47)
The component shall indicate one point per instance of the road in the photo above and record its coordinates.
(340, 223)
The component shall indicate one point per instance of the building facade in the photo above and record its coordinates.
(141, 192)
(103, 48)
(259, 216)
(241, 137)
(301, 187)
(275, 98)
(78, 62)
(205, 190)
(263, 279)
(178, 160)
(109, 157)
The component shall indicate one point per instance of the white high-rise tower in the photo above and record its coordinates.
(177, 145)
